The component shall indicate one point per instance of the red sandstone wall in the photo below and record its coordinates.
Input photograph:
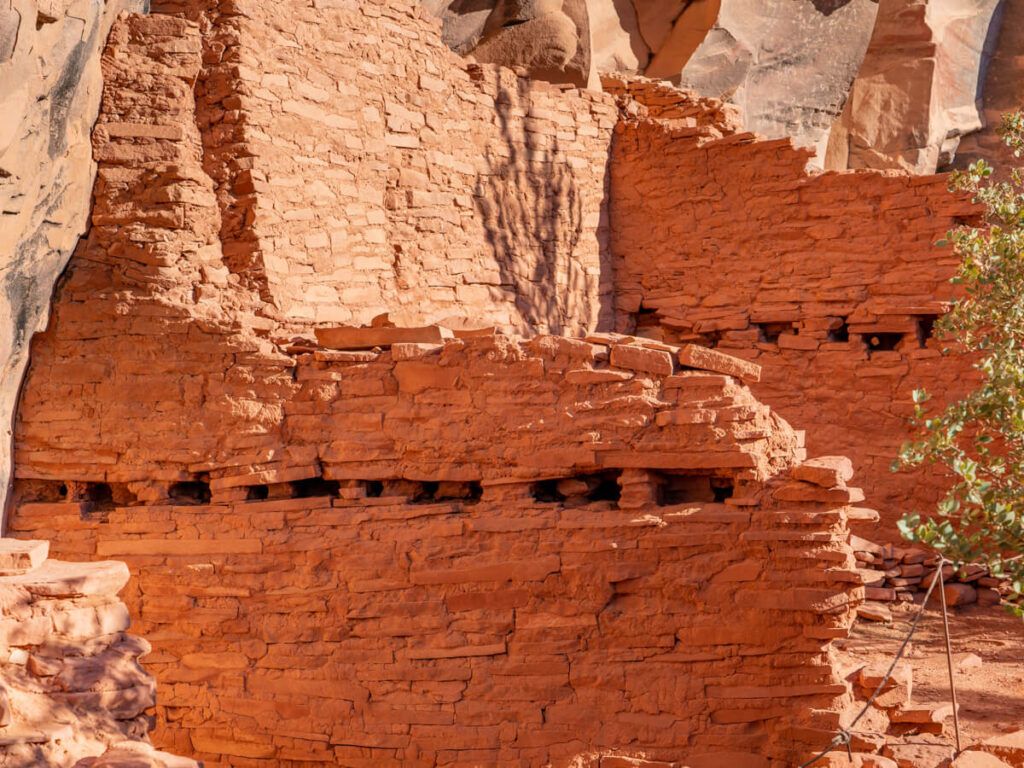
(570, 485)
(371, 169)
(374, 632)
(799, 272)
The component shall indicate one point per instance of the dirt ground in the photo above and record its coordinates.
(991, 696)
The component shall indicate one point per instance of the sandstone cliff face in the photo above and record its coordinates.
(800, 69)
(50, 87)
(917, 91)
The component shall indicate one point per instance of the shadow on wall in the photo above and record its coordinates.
(533, 216)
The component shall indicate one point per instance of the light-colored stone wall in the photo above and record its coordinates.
(363, 167)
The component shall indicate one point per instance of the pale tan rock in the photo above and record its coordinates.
(874, 612)
(916, 92)
(550, 39)
(787, 64)
(974, 759)
(617, 45)
(50, 88)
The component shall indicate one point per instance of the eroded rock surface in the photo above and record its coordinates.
(917, 91)
(550, 39)
(802, 69)
(50, 87)
(787, 64)
(72, 691)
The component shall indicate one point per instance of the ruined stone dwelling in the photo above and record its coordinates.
(451, 413)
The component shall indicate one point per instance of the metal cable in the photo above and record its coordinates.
(843, 736)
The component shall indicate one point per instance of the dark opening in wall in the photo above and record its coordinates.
(709, 339)
(546, 492)
(103, 497)
(190, 492)
(40, 491)
(374, 489)
(315, 486)
(882, 342)
(257, 493)
(839, 331)
(925, 329)
(677, 488)
(424, 493)
(768, 333)
(581, 489)
(645, 318)
(430, 491)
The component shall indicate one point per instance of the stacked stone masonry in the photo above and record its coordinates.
(832, 282)
(439, 552)
(362, 167)
(482, 633)
(72, 691)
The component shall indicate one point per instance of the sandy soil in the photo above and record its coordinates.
(991, 695)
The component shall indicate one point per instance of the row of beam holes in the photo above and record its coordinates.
(417, 492)
(887, 342)
(840, 333)
(672, 488)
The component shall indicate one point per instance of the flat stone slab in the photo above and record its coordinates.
(57, 578)
(17, 556)
(702, 358)
(348, 337)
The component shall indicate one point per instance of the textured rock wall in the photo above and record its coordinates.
(787, 65)
(801, 69)
(161, 408)
(829, 281)
(1001, 91)
(71, 686)
(917, 92)
(465, 633)
(351, 149)
(49, 93)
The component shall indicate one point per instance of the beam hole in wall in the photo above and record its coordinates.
(645, 319)
(190, 492)
(709, 339)
(580, 489)
(103, 497)
(839, 331)
(40, 491)
(314, 487)
(925, 329)
(882, 342)
(257, 493)
(42, 19)
(768, 333)
(688, 488)
(432, 491)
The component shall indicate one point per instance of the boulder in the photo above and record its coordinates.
(550, 39)
(916, 93)
(788, 64)
(960, 594)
